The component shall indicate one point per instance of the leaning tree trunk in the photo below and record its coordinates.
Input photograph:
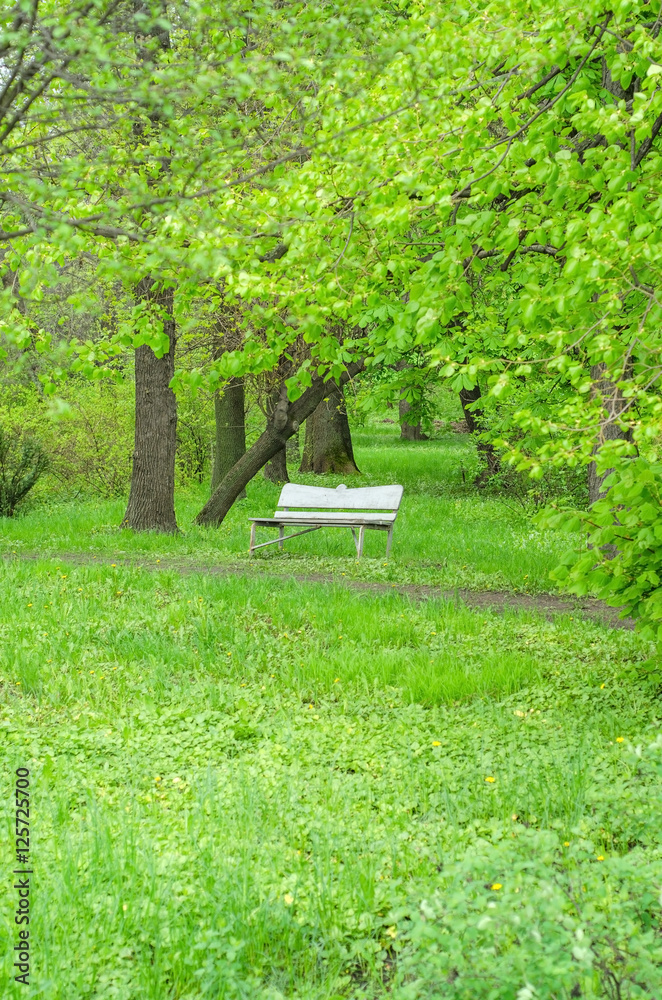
(409, 432)
(285, 422)
(614, 404)
(328, 442)
(151, 504)
(230, 436)
(275, 469)
(475, 422)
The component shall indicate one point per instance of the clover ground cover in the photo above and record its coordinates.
(247, 788)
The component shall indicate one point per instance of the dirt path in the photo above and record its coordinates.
(546, 604)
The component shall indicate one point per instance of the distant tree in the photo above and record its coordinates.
(328, 440)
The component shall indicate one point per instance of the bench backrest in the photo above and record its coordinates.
(322, 498)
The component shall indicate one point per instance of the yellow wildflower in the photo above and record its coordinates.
(497, 886)
(619, 739)
(490, 779)
(436, 743)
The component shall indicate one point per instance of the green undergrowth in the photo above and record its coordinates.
(447, 534)
(257, 790)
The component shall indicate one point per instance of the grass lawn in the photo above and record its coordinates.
(447, 533)
(256, 787)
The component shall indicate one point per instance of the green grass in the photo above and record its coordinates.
(447, 533)
(253, 788)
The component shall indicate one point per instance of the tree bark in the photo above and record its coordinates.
(409, 432)
(151, 505)
(275, 469)
(230, 436)
(286, 420)
(475, 422)
(614, 404)
(328, 442)
(292, 449)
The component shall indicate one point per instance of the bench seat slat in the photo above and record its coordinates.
(270, 522)
(324, 517)
(334, 517)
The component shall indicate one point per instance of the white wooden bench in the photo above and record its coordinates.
(370, 507)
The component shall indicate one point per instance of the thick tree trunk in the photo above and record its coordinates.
(275, 469)
(151, 505)
(230, 437)
(328, 442)
(409, 432)
(292, 449)
(286, 420)
(613, 403)
(475, 422)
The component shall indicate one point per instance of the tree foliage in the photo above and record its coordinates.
(476, 185)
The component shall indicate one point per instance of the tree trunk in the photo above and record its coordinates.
(614, 403)
(475, 422)
(328, 442)
(275, 470)
(292, 449)
(409, 432)
(230, 437)
(286, 420)
(151, 505)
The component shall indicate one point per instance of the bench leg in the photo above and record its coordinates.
(252, 542)
(388, 540)
(281, 532)
(356, 541)
(359, 547)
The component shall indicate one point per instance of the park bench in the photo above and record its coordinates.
(370, 507)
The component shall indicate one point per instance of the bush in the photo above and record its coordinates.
(195, 434)
(87, 435)
(557, 484)
(547, 915)
(22, 463)
(623, 559)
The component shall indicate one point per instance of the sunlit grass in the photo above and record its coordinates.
(447, 533)
(245, 784)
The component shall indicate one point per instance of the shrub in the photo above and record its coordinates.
(560, 924)
(87, 434)
(556, 485)
(195, 434)
(22, 462)
(622, 560)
